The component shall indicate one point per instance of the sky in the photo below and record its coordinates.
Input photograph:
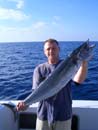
(38, 20)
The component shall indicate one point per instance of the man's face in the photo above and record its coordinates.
(51, 50)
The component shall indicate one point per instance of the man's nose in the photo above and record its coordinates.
(51, 50)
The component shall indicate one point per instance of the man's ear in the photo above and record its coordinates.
(59, 48)
(44, 51)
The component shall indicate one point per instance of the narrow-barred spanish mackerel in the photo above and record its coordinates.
(63, 73)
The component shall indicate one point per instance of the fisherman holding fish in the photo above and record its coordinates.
(55, 112)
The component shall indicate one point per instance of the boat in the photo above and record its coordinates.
(85, 116)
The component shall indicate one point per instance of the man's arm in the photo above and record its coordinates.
(36, 78)
(21, 106)
(82, 73)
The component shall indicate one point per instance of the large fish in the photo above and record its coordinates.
(63, 73)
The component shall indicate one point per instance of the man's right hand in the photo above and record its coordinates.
(21, 106)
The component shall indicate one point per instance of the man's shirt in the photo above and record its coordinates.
(57, 107)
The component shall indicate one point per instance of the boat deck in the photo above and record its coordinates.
(85, 114)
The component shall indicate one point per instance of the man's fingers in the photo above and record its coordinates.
(21, 106)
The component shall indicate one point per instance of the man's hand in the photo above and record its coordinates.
(21, 106)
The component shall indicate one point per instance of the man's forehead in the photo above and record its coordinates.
(50, 44)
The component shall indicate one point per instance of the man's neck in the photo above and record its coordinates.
(52, 61)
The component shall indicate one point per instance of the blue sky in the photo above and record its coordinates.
(37, 20)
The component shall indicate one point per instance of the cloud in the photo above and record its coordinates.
(37, 31)
(54, 23)
(19, 3)
(6, 14)
(56, 20)
(39, 25)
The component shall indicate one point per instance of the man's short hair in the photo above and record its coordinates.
(51, 41)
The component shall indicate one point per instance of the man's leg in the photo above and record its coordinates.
(42, 125)
(62, 125)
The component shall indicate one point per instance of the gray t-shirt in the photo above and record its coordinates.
(57, 107)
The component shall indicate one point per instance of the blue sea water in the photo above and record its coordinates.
(18, 60)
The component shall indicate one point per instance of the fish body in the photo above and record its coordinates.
(63, 73)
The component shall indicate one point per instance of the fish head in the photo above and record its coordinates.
(84, 52)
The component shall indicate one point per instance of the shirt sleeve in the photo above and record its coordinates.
(75, 83)
(36, 78)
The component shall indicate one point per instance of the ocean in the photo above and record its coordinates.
(18, 60)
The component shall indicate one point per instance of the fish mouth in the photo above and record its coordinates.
(84, 50)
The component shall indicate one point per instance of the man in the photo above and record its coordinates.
(54, 113)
